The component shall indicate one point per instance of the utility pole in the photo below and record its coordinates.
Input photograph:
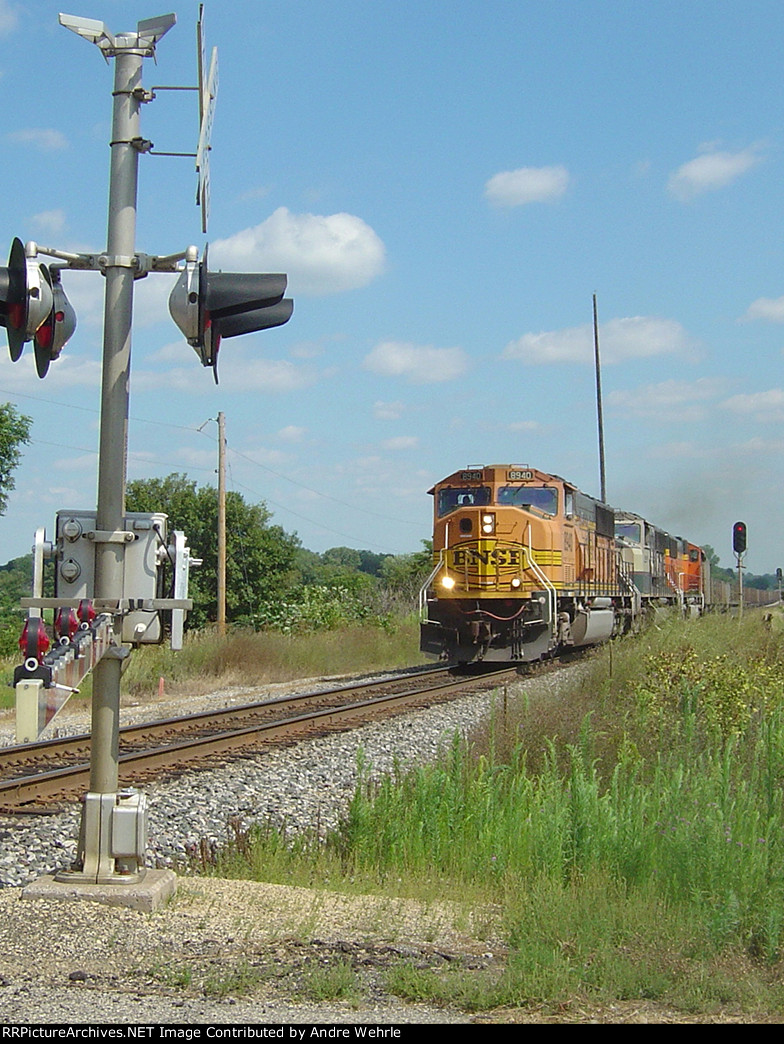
(602, 480)
(221, 525)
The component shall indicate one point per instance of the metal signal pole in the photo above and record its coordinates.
(221, 524)
(95, 861)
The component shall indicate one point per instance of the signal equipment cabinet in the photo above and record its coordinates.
(145, 551)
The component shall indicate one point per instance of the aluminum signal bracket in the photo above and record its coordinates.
(43, 687)
(183, 561)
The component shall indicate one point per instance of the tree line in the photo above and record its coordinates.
(271, 579)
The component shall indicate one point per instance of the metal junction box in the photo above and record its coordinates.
(75, 565)
(129, 826)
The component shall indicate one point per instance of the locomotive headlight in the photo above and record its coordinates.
(516, 581)
(447, 582)
(488, 523)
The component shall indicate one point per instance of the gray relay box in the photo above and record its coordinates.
(75, 565)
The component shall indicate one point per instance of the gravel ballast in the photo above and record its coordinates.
(65, 961)
(298, 785)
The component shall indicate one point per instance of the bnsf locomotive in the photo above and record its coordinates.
(526, 564)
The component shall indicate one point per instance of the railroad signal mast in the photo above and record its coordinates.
(108, 560)
(739, 547)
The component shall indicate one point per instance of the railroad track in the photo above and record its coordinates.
(35, 774)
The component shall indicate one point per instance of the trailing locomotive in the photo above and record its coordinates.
(526, 564)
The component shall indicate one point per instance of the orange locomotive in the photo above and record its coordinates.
(526, 564)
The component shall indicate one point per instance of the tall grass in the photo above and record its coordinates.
(697, 830)
(246, 657)
(636, 853)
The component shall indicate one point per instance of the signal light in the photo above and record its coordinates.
(66, 624)
(208, 306)
(739, 538)
(33, 306)
(56, 330)
(34, 641)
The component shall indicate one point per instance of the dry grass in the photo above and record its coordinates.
(247, 657)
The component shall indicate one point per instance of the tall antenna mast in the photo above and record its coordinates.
(602, 479)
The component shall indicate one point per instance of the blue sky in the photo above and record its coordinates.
(447, 184)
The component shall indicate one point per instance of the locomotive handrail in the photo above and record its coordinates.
(426, 585)
(552, 595)
(628, 579)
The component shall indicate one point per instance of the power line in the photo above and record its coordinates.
(192, 467)
(319, 525)
(326, 496)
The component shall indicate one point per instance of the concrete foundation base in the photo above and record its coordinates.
(147, 894)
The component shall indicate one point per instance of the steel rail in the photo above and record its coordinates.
(60, 746)
(58, 781)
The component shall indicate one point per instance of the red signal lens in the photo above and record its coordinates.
(34, 642)
(16, 315)
(45, 335)
(66, 624)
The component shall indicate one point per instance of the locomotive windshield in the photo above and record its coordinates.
(628, 531)
(462, 496)
(542, 498)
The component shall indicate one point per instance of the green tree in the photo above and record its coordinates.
(342, 558)
(404, 575)
(259, 556)
(14, 433)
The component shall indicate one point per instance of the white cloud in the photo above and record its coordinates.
(769, 308)
(320, 255)
(291, 433)
(68, 371)
(713, 170)
(758, 447)
(306, 350)
(668, 399)
(401, 442)
(679, 451)
(151, 299)
(515, 188)
(239, 370)
(266, 456)
(72, 463)
(50, 221)
(8, 18)
(388, 410)
(636, 337)
(420, 364)
(765, 406)
(86, 294)
(44, 138)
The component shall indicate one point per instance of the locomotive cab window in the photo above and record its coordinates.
(467, 496)
(628, 531)
(541, 498)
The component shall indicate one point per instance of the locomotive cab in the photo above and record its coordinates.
(523, 564)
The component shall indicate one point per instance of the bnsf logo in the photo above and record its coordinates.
(497, 557)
